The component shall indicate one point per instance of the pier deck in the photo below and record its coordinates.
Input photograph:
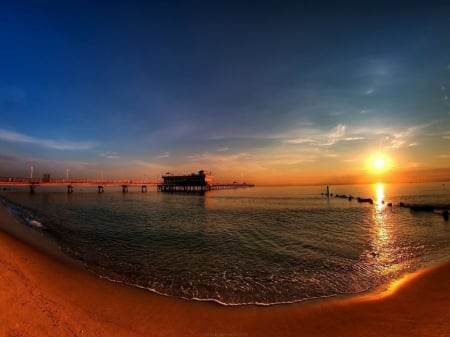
(70, 184)
(101, 184)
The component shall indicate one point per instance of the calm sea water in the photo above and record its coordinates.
(261, 245)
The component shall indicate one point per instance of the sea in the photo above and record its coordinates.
(260, 245)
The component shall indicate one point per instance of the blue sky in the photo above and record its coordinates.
(247, 90)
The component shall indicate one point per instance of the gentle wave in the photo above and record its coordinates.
(27, 216)
(214, 300)
(251, 247)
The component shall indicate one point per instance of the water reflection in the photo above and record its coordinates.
(383, 239)
(380, 196)
(379, 217)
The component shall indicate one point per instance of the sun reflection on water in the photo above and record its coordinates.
(382, 236)
(380, 196)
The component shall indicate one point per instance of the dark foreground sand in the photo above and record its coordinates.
(43, 296)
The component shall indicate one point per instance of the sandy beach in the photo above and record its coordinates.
(42, 295)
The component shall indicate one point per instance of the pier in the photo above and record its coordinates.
(196, 182)
(70, 184)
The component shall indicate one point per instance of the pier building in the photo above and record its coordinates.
(195, 182)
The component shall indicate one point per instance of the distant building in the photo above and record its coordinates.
(195, 182)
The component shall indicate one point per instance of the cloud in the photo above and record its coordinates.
(299, 141)
(16, 137)
(289, 160)
(349, 139)
(336, 113)
(215, 158)
(331, 155)
(223, 149)
(388, 138)
(110, 155)
(318, 136)
(164, 155)
(335, 135)
(400, 138)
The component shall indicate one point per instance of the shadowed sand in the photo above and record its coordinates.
(44, 296)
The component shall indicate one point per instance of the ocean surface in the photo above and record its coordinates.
(261, 245)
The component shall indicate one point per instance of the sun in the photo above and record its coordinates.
(378, 163)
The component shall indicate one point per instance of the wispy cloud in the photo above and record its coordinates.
(164, 155)
(16, 137)
(110, 155)
(354, 138)
(335, 134)
(336, 113)
(287, 159)
(404, 137)
(320, 137)
(299, 141)
(216, 158)
(392, 138)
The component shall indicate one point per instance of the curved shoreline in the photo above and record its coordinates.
(26, 232)
(43, 296)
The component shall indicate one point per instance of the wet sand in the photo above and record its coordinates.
(41, 295)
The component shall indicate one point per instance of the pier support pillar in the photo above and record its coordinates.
(69, 189)
(32, 188)
(100, 189)
(124, 188)
(144, 188)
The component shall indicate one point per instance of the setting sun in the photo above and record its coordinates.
(378, 163)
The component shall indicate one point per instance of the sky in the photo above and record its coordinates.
(266, 92)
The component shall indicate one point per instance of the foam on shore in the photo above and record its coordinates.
(24, 226)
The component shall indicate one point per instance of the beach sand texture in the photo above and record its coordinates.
(41, 295)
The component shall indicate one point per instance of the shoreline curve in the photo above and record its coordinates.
(41, 295)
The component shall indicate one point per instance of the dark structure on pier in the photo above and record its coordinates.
(195, 182)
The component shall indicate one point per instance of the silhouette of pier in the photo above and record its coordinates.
(170, 184)
(71, 184)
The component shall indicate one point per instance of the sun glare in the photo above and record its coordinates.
(378, 163)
